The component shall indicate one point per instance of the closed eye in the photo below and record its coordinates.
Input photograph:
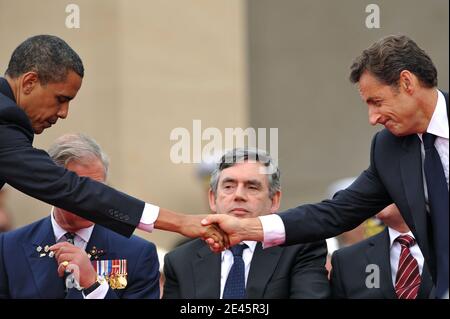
(63, 99)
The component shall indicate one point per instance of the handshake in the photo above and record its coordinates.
(221, 231)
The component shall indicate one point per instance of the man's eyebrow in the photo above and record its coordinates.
(228, 179)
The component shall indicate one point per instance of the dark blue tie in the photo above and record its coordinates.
(438, 203)
(235, 284)
(70, 238)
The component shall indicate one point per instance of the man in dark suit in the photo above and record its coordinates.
(398, 81)
(104, 263)
(239, 187)
(369, 269)
(44, 74)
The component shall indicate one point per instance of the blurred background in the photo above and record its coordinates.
(155, 65)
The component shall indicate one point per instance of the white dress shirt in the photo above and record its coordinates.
(148, 218)
(228, 260)
(81, 240)
(273, 227)
(395, 250)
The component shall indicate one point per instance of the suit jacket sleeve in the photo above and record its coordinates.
(171, 286)
(144, 279)
(337, 286)
(32, 172)
(4, 290)
(309, 278)
(349, 208)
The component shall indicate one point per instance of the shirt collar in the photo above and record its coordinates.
(84, 233)
(250, 244)
(439, 121)
(393, 234)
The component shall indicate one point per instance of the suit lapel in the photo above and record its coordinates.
(412, 178)
(99, 241)
(378, 253)
(206, 269)
(426, 290)
(44, 269)
(262, 268)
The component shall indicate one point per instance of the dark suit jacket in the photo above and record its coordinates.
(23, 274)
(349, 273)
(394, 176)
(32, 172)
(193, 272)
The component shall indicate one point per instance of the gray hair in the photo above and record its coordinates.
(79, 148)
(239, 155)
(49, 56)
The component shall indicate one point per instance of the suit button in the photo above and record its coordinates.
(126, 217)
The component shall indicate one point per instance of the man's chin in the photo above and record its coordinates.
(38, 130)
(240, 213)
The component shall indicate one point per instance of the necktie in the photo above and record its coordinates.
(70, 238)
(71, 292)
(438, 203)
(407, 281)
(235, 284)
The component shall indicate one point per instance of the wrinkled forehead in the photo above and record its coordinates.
(246, 171)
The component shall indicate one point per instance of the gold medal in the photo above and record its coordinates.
(113, 282)
(122, 281)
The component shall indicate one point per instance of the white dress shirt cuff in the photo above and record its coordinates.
(149, 216)
(99, 293)
(273, 228)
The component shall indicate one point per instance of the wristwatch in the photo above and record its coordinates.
(95, 285)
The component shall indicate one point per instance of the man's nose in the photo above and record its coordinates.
(63, 111)
(374, 116)
(240, 193)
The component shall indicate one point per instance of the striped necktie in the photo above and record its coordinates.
(408, 279)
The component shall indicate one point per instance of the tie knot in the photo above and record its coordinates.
(70, 237)
(406, 240)
(237, 250)
(428, 140)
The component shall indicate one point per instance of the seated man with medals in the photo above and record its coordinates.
(66, 256)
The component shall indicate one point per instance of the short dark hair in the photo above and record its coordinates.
(47, 55)
(388, 57)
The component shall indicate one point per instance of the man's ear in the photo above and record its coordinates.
(408, 81)
(29, 81)
(212, 201)
(276, 200)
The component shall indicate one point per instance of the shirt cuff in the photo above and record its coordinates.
(99, 293)
(149, 216)
(273, 228)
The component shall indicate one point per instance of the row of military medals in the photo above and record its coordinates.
(114, 271)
